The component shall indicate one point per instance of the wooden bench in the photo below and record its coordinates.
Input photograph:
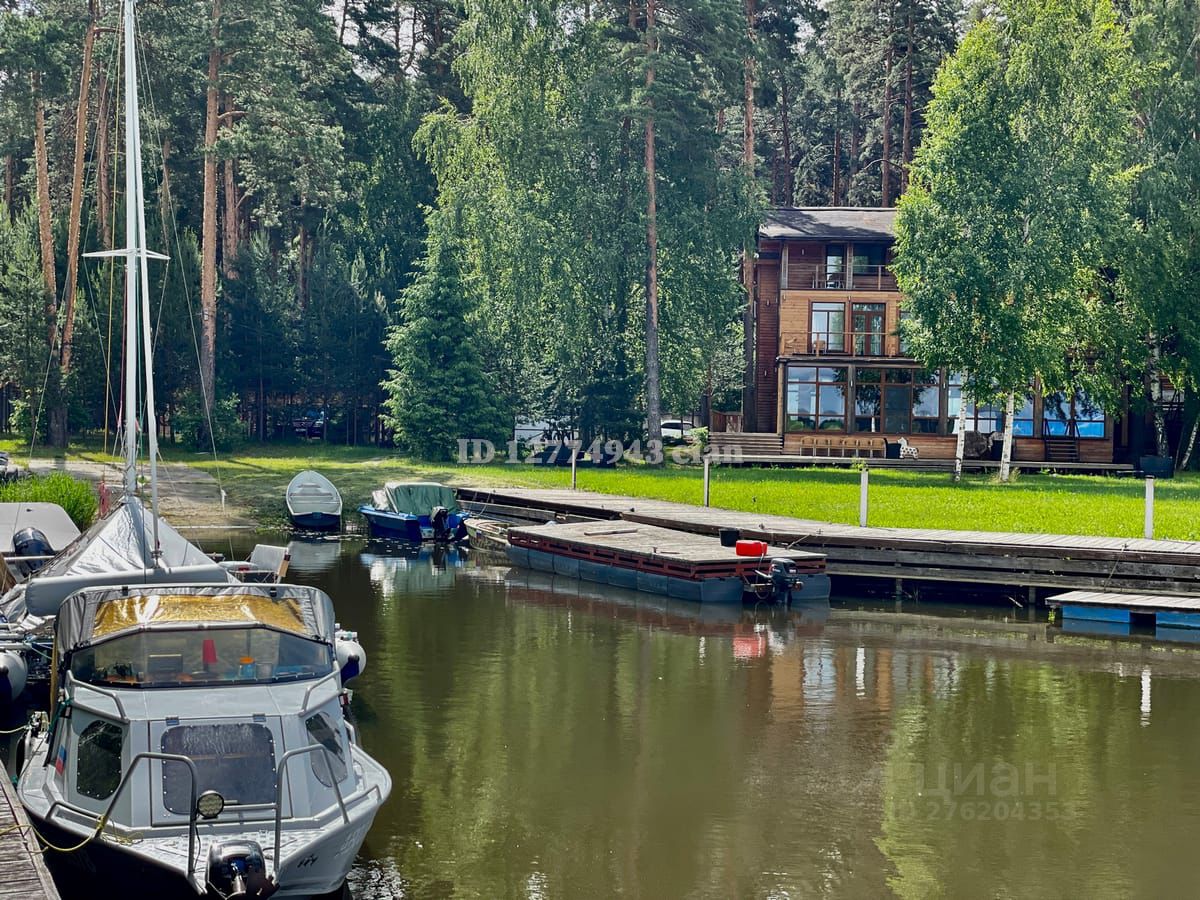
(818, 444)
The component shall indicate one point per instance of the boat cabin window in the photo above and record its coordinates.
(98, 760)
(183, 657)
(321, 730)
(236, 760)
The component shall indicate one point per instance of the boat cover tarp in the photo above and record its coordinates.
(116, 550)
(311, 492)
(418, 498)
(96, 613)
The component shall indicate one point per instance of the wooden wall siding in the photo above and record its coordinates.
(766, 343)
(794, 321)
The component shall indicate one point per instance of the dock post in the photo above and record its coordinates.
(574, 452)
(1148, 530)
(862, 498)
(706, 464)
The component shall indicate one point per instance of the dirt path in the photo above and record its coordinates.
(187, 497)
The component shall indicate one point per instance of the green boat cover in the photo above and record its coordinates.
(418, 498)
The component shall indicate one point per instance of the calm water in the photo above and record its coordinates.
(551, 739)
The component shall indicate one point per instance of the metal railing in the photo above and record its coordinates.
(193, 831)
(846, 343)
(281, 771)
(839, 277)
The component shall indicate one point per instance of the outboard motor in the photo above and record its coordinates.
(237, 871)
(440, 520)
(31, 542)
(783, 575)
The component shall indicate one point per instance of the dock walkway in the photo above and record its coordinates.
(24, 873)
(1028, 561)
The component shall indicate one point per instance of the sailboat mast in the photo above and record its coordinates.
(132, 263)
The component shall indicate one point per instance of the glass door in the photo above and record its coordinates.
(835, 266)
(867, 323)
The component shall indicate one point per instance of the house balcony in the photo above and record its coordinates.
(835, 276)
(842, 344)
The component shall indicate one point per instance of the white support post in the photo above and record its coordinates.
(862, 497)
(574, 445)
(706, 464)
(1148, 529)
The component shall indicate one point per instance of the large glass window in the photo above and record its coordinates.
(322, 731)
(1023, 416)
(237, 761)
(98, 759)
(829, 327)
(1076, 416)
(816, 398)
(867, 324)
(897, 401)
(174, 657)
(982, 417)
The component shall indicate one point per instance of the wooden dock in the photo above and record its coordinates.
(1030, 562)
(24, 873)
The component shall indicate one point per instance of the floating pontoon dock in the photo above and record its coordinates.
(1030, 562)
(659, 560)
(1129, 609)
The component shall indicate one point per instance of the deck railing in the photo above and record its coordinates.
(838, 277)
(846, 343)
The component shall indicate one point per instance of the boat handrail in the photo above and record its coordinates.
(111, 695)
(316, 684)
(281, 771)
(193, 831)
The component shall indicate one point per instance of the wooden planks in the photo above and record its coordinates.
(1135, 565)
(1130, 601)
(24, 871)
(650, 548)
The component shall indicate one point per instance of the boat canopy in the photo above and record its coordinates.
(418, 498)
(101, 613)
(312, 492)
(116, 550)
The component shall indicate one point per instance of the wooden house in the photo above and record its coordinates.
(831, 369)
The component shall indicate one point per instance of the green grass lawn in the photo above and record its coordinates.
(256, 476)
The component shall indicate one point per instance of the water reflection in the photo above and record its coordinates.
(553, 738)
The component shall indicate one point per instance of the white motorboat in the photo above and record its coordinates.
(199, 738)
(313, 503)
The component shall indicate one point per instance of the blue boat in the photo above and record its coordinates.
(414, 511)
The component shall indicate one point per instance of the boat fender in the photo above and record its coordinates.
(13, 672)
(351, 657)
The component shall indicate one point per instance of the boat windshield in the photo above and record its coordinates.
(192, 657)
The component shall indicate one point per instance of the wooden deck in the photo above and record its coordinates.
(1027, 561)
(24, 873)
(1146, 602)
(926, 465)
(680, 554)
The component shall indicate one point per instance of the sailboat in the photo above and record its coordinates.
(199, 737)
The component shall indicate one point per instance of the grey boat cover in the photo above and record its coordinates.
(116, 550)
(102, 613)
(418, 498)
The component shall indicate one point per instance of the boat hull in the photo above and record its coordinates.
(390, 526)
(316, 521)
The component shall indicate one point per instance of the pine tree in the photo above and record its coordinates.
(438, 393)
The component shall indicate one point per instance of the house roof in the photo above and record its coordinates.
(830, 223)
